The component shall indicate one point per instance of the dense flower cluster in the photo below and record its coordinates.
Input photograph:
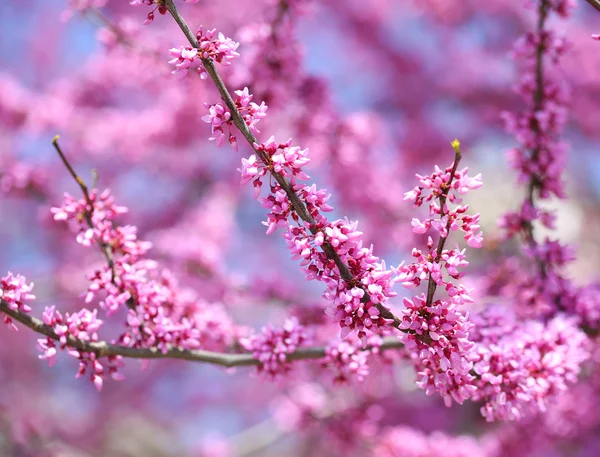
(523, 366)
(211, 46)
(355, 302)
(350, 359)
(219, 116)
(92, 219)
(437, 340)
(82, 325)
(159, 314)
(436, 331)
(540, 154)
(15, 292)
(272, 346)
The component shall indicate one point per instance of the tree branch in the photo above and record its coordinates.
(104, 349)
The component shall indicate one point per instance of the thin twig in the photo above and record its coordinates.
(104, 349)
(106, 249)
(432, 285)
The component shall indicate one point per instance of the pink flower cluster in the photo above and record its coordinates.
(15, 293)
(436, 331)
(211, 46)
(288, 161)
(522, 366)
(164, 317)
(540, 157)
(349, 359)
(354, 303)
(219, 116)
(100, 210)
(444, 184)
(429, 265)
(159, 314)
(272, 346)
(437, 340)
(82, 325)
(540, 160)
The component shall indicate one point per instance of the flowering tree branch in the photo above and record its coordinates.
(238, 120)
(513, 369)
(104, 349)
(432, 285)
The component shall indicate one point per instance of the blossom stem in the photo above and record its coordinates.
(432, 285)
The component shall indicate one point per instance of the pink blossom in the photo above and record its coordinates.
(15, 293)
(83, 326)
(272, 346)
(350, 359)
(220, 118)
(211, 46)
(521, 368)
(443, 363)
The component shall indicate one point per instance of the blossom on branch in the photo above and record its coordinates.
(272, 346)
(16, 293)
(83, 326)
(211, 46)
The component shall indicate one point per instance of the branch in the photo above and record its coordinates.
(104, 349)
(594, 3)
(299, 206)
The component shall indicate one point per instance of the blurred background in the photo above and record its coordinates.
(377, 91)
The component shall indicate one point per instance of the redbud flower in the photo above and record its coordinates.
(16, 293)
(272, 345)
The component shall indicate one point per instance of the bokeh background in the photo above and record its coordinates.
(376, 90)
